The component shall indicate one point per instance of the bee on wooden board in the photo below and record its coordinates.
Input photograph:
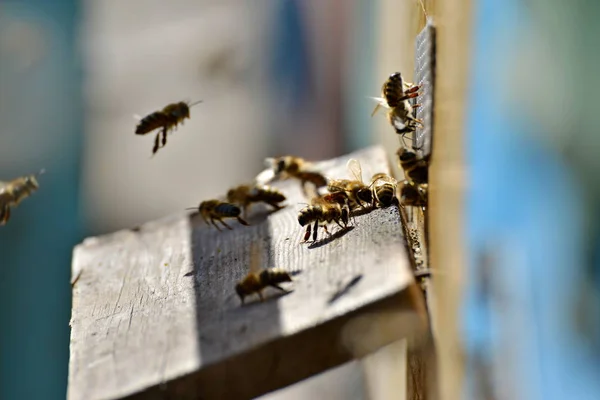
(415, 168)
(395, 94)
(217, 210)
(166, 120)
(287, 167)
(384, 189)
(413, 194)
(325, 209)
(359, 193)
(259, 279)
(15, 191)
(245, 195)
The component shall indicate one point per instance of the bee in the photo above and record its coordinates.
(358, 192)
(415, 168)
(15, 191)
(166, 120)
(295, 167)
(245, 195)
(216, 210)
(384, 189)
(395, 94)
(259, 279)
(413, 194)
(332, 207)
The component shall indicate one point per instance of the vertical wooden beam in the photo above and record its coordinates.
(447, 184)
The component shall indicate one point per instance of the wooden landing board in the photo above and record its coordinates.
(155, 313)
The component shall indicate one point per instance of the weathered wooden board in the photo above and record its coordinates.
(155, 314)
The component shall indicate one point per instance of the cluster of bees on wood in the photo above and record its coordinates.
(332, 201)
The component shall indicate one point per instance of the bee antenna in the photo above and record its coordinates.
(192, 208)
(194, 103)
(423, 8)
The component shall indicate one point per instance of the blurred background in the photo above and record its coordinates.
(285, 76)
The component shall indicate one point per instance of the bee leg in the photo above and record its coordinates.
(276, 286)
(315, 230)
(326, 230)
(4, 214)
(307, 233)
(241, 221)
(164, 137)
(224, 224)
(212, 220)
(417, 105)
(156, 144)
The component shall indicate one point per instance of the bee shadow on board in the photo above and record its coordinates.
(345, 289)
(330, 238)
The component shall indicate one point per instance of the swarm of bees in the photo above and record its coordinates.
(15, 191)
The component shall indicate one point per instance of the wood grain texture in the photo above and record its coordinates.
(155, 314)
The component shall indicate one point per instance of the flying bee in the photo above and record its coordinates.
(216, 210)
(259, 279)
(358, 192)
(395, 94)
(287, 167)
(332, 207)
(245, 195)
(166, 120)
(15, 191)
(413, 194)
(384, 189)
(415, 168)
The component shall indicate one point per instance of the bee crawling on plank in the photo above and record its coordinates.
(359, 194)
(259, 279)
(415, 168)
(216, 210)
(15, 191)
(325, 209)
(166, 120)
(384, 190)
(413, 194)
(246, 195)
(292, 167)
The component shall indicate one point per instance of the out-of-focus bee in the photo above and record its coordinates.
(15, 191)
(287, 167)
(415, 168)
(358, 192)
(384, 190)
(245, 195)
(166, 120)
(325, 209)
(216, 210)
(413, 194)
(259, 279)
(395, 94)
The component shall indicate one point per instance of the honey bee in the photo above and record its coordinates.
(395, 94)
(325, 209)
(384, 189)
(295, 167)
(245, 195)
(415, 168)
(358, 192)
(166, 120)
(15, 191)
(413, 194)
(216, 210)
(259, 279)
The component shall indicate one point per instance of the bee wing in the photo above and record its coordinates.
(380, 103)
(255, 259)
(384, 178)
(355, 169)
(137, 117)
(265, 177)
